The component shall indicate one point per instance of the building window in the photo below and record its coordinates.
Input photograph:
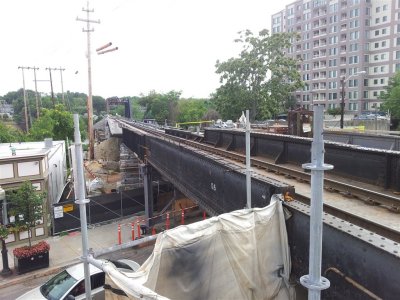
(376, 45)
(383, 56)
(375, 69)
(383, 44)
(376, 57)
(398, 41)
(397, 68)
(384, 18)
(366, 94)
(384, 30)
(382, 81)
(378, 9)
(377, 20)
(397, 54)
(376, 32)
(375, 93)
(382, 69)
(384, 7)
(375, 81)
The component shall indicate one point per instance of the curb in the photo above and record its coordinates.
(40, 273)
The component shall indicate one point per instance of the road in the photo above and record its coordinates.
(137, 254)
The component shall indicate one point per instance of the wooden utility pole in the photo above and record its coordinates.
(36, 93)
(25, 99)
(88, 30)
(51, 86)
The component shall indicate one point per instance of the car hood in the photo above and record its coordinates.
(32, 294)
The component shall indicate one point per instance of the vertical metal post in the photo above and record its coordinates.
(81, 200)
(314, 281)
(248, 165)
(148, 194)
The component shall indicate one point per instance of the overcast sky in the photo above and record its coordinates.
(163, 44)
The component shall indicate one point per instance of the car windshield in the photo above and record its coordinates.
(57, 286)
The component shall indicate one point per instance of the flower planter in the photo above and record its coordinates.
(27, 259)
(34, 262)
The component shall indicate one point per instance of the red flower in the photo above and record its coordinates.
(27, 251)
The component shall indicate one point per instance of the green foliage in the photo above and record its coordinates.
(53, 123)
(3, 232)
(161, 106)
(260, 79)
(334, 111)
(191, 110)
(27, 206)
(9, 134)
(391, 96)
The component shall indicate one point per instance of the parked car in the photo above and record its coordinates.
(69, 284)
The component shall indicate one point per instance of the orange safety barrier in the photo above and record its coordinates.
(119, 234)
(167, 222)
(204, 215)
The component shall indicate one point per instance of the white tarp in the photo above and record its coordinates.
(239, 255)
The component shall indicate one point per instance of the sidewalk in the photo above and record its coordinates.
(67, 250)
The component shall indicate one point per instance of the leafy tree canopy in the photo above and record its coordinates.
(55, 123)
(27, 206)
(391, 96)
(191, 110)
(260, 79)
(161, 107)
(10, 134)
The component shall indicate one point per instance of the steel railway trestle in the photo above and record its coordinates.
(366, 252)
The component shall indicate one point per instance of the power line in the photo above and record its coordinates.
(88, 30)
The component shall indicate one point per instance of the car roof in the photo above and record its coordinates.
(77, 271)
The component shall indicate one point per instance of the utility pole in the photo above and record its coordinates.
(62, 86)
(25, 99)
(36, 93)
(88, 30)
(51, 85)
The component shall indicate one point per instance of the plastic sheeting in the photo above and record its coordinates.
(239, 255)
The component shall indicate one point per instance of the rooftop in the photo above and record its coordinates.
(26, 149)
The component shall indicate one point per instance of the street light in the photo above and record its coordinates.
(343, 80)
(6, 269)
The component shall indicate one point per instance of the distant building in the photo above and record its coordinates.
(6, 109)
(338, 39)
(41, 163)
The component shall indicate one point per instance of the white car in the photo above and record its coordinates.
(70, 284)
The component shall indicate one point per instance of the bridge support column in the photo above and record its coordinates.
(148, 193)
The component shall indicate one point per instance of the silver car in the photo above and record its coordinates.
(70, 284)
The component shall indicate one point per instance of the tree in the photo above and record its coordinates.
(391, 96)
(26, 206)
(191, 110)
(9, 134)
(260, 79)
(55, 123)
(161, 106)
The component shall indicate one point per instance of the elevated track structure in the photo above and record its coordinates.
(361, 252)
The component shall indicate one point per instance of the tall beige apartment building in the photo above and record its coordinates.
(351, 42)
